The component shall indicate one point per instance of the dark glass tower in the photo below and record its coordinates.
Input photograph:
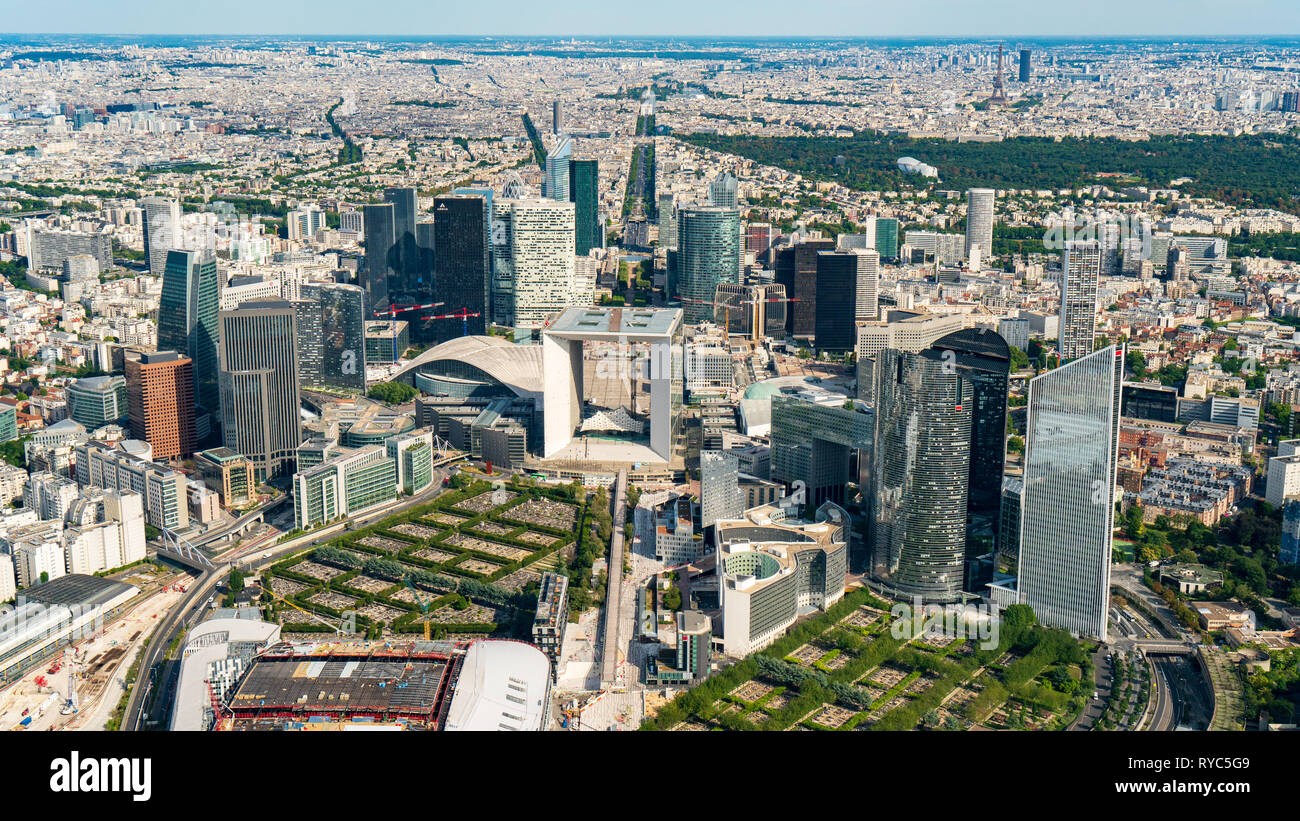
(404, 258)
(381, 235)
(984, 358)
(585, 196)
(461, 273)
(836, 304)
(187, 319)
(259, 386)
(331, 330)
(920, 474)
(796, 269)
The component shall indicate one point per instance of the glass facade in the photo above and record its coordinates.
(920, 474)
(585, 196)
(708, 254)
(461, 267)
(1068, 511)
(331, 336)
(187, 319)
(811, 443)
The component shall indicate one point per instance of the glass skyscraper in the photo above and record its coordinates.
(920, 474)
(1080, 272)
(381, 235)
(187, 319)
(887, 237)
(557, 171)
(708, 254)
(461, 267)
(404, 257)
(259, 385)
(1068, 508)
(331, 329)
(812, 443)
(585, 195)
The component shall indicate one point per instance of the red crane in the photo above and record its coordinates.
(394, 310)
(463, 315)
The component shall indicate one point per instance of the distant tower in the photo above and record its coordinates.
(557, 117)
(998, 97)
(1024, 64)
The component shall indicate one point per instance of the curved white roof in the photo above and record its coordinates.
(503, 685)
(519, 367)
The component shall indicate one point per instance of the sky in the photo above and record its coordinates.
(746, 18)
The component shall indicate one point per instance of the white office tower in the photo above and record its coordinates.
(867, 307)
(1080, 271)
(162, 227)
(979, 221)
(533, 241)
(724, 191)
(37, 558)
(1068, 509)
(305, 222)
(557, 171)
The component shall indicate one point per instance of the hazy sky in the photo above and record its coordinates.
(857, 18)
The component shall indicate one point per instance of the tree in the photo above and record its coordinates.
(1019, 359)
(1137, 363)
(393, 393)
(1016, 445)
(1133, 521)
(673, 598)
(236, 583)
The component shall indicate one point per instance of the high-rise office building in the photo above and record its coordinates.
(584, 193)
(162, 225)
(708, 254)
(1068, 508)
(557, 117)
(160, 391)
(187, 320)
(979, 221)
(331, 326)
(847, 284)
(814, 442)
(95, 401)
(724, 191)
(535, 254)
(984, 358)
(461, 266)
(556, 183)
(1024, 64)
(259, 385)
(721, 496)
(920, 474)
(1080, 272)
(381, 236)
(667, 221)
(796, 269)
(404, 258)
(887, 237)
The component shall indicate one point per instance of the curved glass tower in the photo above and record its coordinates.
(708, 254)
(920, 472)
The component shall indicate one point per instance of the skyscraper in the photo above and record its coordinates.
(979, 221)
(584, 193)
(331, 327)
(667, 221)
(381, 236)
(1080, 271)
(984, 358)
(720, 494)
(404, 258)
(259, 386)
(887, 237)
(920, 474)
(162, 223)
(187, 320)
(536, 252)
(724, 191)
(708, 254)
(557, 117)
(160, 400)
(1068, 509)
(1024, 64)
(461, 266)
(556, 184)
(796, 269)
(847, 284)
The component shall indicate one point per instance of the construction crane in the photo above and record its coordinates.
(394, 310)
(424, 606)
(337, 628)
(463, 315)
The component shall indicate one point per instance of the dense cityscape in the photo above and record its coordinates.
(572, 384)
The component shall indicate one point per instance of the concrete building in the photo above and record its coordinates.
(160, 403)
(551, 617)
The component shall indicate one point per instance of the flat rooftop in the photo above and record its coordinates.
(614, 322)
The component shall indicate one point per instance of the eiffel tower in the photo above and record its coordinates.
(998, 97)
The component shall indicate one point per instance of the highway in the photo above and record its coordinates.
(191, 607)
